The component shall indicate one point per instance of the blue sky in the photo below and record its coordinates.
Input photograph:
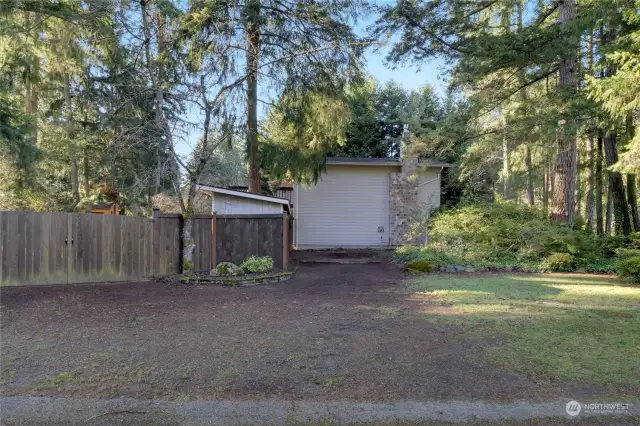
(408, 76)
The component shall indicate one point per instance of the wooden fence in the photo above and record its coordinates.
(60, 248)
(238, 237)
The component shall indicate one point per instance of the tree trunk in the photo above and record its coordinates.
(71, 150)
(529, 171)
(506, 168)
(633, 201)
(565, 174)
(578, 202)
(564, 190)
(589, 202)
(545, 190)
(85, 174)
(524, 98)
(609, 218)
(590, 199)
(620, 210)
(598, 186)
(252, 59)
(31, 89)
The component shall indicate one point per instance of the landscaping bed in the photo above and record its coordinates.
(508, 237)
(245, 280)
(253, 271)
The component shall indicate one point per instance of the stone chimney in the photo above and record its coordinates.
(403, 195)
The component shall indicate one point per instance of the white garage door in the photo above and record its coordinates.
(349, 207)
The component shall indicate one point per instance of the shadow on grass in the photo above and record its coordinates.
(560, 326)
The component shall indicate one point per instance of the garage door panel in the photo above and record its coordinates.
(347, 208)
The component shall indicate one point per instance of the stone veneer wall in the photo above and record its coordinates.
(403, 195)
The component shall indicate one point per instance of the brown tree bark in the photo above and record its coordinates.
(529, 171)
(85, 174)
(598, 186)
(589, 202)
(564, 189)
(620, 210)
(252, 60)
(506, 170)
(590, 198)
(71, 149)
(608, 220)
(545, 190)
(632, 198)
(31, 90)
(563, 205)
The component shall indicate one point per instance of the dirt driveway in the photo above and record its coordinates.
(335, 331)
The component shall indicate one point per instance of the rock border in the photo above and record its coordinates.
(239, 280)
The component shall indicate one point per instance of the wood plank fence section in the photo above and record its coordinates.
(169, 244)
(202, 235)
(32, 248)
(241, 236)
(61, 248)
(109, 248)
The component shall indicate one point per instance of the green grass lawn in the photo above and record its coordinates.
(547, 326)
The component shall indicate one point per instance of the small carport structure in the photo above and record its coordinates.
(225, 201)
(247, 224)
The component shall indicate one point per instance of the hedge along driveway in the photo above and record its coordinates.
(333, 332)
(550, 326)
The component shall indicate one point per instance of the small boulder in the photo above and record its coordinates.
(226, 268)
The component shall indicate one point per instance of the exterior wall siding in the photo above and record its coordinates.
(349, 207)
(429, 188)
(229, 205)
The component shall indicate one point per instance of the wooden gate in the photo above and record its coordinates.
(61, 248)
(32, 248)
(109, 248)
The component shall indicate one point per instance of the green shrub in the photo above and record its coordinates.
(255, 264)
(504, 231)
(605, 265)
(507, 236)
(634, 240)
(421, 265)
(629, 267)
(227, 268)
(625, 252)
(558, 262)
(429, 254)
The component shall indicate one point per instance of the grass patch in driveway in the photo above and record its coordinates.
(553, 326)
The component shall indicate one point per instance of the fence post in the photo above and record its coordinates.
(214, 242)
(156, 242)
(285, 240)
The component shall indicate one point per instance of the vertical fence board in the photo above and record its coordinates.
(203, 240)
(238, 237)
(170, 250)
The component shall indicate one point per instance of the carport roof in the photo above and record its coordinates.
(243, 194)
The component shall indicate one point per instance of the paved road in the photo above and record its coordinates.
(72, 411)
